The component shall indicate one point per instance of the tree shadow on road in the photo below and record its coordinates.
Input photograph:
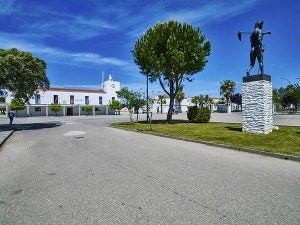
(29, 126)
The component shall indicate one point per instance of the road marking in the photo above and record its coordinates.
(74, 133)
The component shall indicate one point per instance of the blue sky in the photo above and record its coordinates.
(81, 39)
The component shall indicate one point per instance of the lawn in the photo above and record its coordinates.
(286, 140)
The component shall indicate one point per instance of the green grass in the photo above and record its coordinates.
(286, 140)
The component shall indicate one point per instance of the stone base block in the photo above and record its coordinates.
(257, 115)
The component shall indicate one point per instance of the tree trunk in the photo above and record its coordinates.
(130, 116)
(170, 111)
(161, 111)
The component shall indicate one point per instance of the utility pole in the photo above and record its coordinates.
(286, 80)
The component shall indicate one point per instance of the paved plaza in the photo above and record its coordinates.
(77, 170)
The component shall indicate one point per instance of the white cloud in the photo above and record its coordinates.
(61, 56)
(200, 15)
(74, 27)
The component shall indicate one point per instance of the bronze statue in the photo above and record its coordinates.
(257, 47)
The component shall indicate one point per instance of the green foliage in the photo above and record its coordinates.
(227, 87)
(131, 100)
(277, 95)
(204, 115)
(287, 96)
(192, 113)
(180, 95)
(2, 99)
(161, 100)
(55, 108)
(17, 104)
(21, 73)
(201, 100)
(222, 101)
(115, 105)
(171, 52)
(87, 108)
(197, 114)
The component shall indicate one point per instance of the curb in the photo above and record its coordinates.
(5, 136)
(249, 150)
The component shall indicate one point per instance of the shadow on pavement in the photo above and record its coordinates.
(29, 126)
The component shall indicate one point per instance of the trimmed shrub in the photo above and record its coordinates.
(192, 113)
(55, 107)
(203, 115)
(87, 108)
(197, 114)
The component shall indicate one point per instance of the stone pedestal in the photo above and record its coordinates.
(257, 115)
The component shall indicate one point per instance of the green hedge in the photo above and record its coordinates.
(197, 114)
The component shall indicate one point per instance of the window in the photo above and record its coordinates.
(71, 99)
(100, 100)
(37, 109)
(37, 99)
(113, 98)
(55, 99)
(97, 109)
(87, 100)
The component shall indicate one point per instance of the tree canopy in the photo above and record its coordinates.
(180, 95)
(287, 96)
(227, 87)
(115, 105)
(55, 107)
(161, 100)
(87, 108)
(201, 100)
(17, 104)
(21, 73)
(171, 53)
(131, 100)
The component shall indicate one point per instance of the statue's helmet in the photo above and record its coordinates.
(259, 24)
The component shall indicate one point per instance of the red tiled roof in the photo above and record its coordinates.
(72, 90)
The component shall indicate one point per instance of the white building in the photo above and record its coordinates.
(71, 99)
(183, 106)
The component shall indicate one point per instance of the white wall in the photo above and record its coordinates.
(47, 97)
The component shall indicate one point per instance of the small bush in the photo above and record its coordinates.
(197, 114)
(17, 104)
(192, 113)
(204, 115)
(55, 107)
(87, 108)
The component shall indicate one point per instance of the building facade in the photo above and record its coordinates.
(72, 100)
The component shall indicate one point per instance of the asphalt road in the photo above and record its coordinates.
(83, 172)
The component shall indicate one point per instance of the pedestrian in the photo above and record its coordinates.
(11, 115)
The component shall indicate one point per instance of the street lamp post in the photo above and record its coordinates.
(286, 80)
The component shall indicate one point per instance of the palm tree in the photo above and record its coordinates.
(179, 97)
(227, 87)
(161, 100)
(200, 100)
